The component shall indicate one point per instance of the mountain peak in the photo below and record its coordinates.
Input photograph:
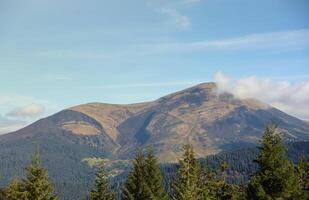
(206, 86)
(210, 121)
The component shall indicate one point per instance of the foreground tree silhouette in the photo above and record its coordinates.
(187, 184)
(136, 187)
(101, 190)
(275, 178)
(153, 177)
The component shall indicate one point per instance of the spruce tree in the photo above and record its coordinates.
(302, 170)
(275, 178)
(187, 184)
(214, 186)
(101, 190)
(15, 191)
(153, 177)
(136, 188)
(209, 185)
(36, 184)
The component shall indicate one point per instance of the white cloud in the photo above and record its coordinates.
(28, 111)
(182, 21)
(17, 111)
(292, 98)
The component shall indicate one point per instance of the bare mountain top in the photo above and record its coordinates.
(110, 115)
(199, 115)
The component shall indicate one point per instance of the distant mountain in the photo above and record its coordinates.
(213, 122)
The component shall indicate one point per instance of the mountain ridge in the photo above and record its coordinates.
(211, 120)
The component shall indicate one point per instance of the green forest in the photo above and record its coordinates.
(275, 177)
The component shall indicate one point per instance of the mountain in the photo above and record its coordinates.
(213, 122)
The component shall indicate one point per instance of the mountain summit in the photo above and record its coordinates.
(199, 115)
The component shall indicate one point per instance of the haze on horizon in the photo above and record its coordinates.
(57, 54)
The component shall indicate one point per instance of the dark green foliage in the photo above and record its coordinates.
(187, 184)
(209, 185)
(101, 190)
(153, 177)
(34, 187)
(15, 190)
(275, 178)
(36, 184)
(2, 194)
(214, 186)
(145, 180)
(73, 179)
(302, 171)
(136, 188)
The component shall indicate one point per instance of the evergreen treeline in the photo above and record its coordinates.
(35, 186)
(275, 178)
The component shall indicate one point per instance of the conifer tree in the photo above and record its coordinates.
(275, 178)
(36, 184)
(153, 177)
(136, 187)
(302, 170)
(226, 191)
(187, 184)
(101, 190)
(214, 186)
(209, 185)
(15, 191)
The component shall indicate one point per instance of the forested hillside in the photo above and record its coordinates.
(73, 178)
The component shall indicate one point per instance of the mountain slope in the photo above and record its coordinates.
(213, 122)
(209, 120)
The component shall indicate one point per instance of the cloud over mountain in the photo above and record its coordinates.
(290, 97)
(28, 111)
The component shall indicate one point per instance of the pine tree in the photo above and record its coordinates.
(36, 184)
(302, 171)
(136, 187)
(214, 186)
(153, 177)
(187, 184)
(101, 190)
(209, 185)
(15, 191)
(225, 191)
(275, 178)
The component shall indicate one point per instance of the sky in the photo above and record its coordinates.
(59, 53)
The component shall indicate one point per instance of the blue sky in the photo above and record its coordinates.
(59, 53)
